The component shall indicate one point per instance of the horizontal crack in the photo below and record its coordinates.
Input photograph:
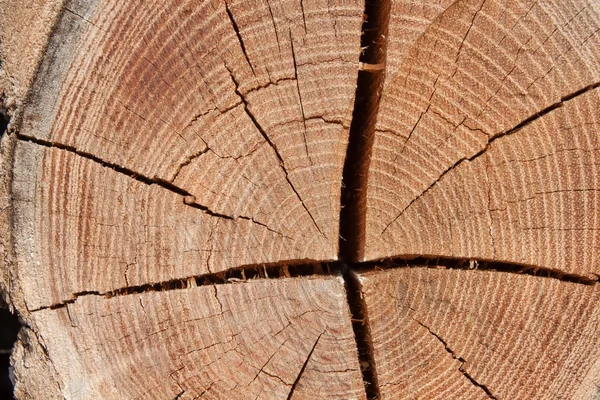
(300, 268)
(433, 261)
(188, 198)
(282, 269)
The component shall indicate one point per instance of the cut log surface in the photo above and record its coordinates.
(531, 198)
(244, 128)
(103, 230)
(242, 106)
(288, 338)
(477, 71)
(482, 334)
(301, 199)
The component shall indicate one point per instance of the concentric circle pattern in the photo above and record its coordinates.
(169, 148)
(440, 183)
(243, 106)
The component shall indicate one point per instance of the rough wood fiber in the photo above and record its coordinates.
(256, 339)
(462, 334)
(83, 227)
(194, 104)
(531, 198)
(33, 372)
(6, 150)
(243, 105)
(165, 149)
(476, 72)
(24, 29)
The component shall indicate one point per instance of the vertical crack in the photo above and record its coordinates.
(362, 334)
(274, 26)
(353, 196)
(239, 36)
(300, 98)
(303, 16)
(362, 131)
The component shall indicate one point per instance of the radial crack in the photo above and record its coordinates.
(300, 98)
(362, 333)
(274, 26)
(413, 129)
(273, 146)
(355, 175)
(518, 127)
(293, 388)
(437, 261)
(303, 16)
(188, 161)
(467, 32)
(239, 36)
(462, 360)
(281, 269)
(424, 192)
(267, 362)
(265, 226)
(541, 113)
(188, 198)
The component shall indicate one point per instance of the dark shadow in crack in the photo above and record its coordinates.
(9, 328)
(4, 120)
(369, 87)
(435, 261)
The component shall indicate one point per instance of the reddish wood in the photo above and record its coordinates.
(184, 185)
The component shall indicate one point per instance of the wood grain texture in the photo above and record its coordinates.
(409, 20)
(530, 198)
(83, 227)
(160, 150)
(451, 333)
(256, 339)
(476, 72)
(25, 26)
(33, 373)
(6, 245)
(244, 105)
(246, 111)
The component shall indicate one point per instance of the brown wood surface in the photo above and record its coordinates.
(531, 198)
(240, 340)
(482, 334)
(235, 199)
(472, 75)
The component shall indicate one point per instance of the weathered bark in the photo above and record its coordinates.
(308, 199)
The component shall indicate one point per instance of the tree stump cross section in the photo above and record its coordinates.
(381, 291)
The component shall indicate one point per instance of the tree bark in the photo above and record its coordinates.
(309, 199)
